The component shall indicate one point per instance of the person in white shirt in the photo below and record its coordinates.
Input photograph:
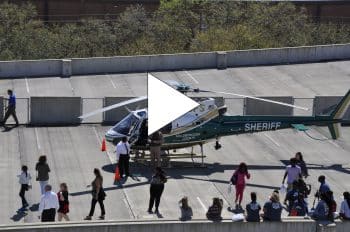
(123, 157)
(24, 180)
(48, 205)
(345, 206)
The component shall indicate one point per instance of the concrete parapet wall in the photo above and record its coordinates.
(120, 64)
(55, 110)
(342, 226)
(255, 107)
(288, 55)
(170, 226)
(30, 68)
(200, 60)
(116, 115)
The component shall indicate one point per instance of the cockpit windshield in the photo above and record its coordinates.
(126, 125)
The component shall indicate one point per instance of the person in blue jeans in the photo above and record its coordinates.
(253, 209)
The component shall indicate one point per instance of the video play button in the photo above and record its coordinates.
(165, 104)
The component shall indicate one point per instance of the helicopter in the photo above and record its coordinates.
(208, 122)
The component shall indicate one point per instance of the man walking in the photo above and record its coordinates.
(11, 108)
(123, 157)
(155, 147)
(48, 205)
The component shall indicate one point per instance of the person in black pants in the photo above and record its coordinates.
(156, 189)
(11, 108)
(98, 195)
(24, 180)
(123, 157)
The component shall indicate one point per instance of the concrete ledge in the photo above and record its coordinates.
(299, 225)
(55, 110)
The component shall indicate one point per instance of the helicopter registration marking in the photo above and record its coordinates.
(187, 136)
(262, 126)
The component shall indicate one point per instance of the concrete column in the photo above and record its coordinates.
(66, 68)
(221, 60)
(326, 227)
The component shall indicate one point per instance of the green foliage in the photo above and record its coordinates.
(177, 26)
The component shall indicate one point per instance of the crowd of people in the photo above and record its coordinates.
(295, 199)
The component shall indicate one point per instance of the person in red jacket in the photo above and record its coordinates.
(240, 174)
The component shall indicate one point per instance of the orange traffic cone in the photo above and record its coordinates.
(103, 146)
(117, 175)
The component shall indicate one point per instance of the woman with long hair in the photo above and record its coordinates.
(156, 189)
(43, 170)
(239, 175)
(301, 163)
(98, 195)
(24, 180)
(63, 201)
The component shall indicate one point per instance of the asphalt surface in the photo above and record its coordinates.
(73, 152)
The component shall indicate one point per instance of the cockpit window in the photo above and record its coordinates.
(126, 125)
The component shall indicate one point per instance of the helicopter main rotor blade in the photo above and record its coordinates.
(256, 98)
(111, 107)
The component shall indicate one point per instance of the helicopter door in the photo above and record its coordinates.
(135, 132)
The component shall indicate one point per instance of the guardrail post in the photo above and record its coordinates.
(66, 68)
(1, 108)
(221, 60)
(326, 227)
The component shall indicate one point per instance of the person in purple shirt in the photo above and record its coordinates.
(11, 108)
(293, 172)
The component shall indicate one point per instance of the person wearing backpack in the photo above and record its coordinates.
(24, 181)
(238, 179)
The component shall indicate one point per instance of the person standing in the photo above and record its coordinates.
(24, 180)
(48, 205)
(155, 147)
(98, 195)
(11, 108)
(253, 209)
(186, 210)
(324, 187)
(63, 201)
(293, 172)
(240, 174)
(123, 157)
(43, 170)
(301, 163)
(156, 189)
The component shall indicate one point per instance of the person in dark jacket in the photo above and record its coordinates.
(214, 211)
(11, 108)
(301, 163)
(63, 202)
(43, 170)
(156, 189)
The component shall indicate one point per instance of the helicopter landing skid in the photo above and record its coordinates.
(144, 158)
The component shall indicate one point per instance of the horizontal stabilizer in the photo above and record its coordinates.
(334, 129)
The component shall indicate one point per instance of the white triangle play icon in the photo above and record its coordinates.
(165, 104)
